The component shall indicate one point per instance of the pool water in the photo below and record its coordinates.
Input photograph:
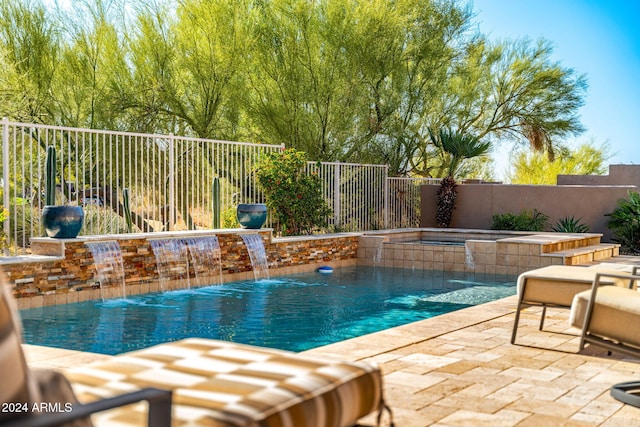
(296, 312)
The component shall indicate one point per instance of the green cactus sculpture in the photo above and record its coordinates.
(50, 177)
(216, 202)
(127, 209)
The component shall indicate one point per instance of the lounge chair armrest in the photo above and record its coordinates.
(632, 278)
(159, 410)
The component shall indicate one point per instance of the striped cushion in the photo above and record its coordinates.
(16, 384)
(218, 383)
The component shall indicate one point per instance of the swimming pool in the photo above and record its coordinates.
(296, 312)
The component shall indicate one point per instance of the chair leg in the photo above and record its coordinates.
(544, 313)
(515, 322)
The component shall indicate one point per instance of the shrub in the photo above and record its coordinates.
(293, 195)
(526, 220)
(570, 224)
(229, 219)
(625, 223)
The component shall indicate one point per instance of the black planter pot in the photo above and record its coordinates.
(62, 222)
(252, 215)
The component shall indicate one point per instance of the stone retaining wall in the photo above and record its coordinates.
(63, 271)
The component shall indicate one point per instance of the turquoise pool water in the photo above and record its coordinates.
(296, 312)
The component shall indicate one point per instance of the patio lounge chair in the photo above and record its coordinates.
(198, 382)
(44, 398)
(555, 286)
(608, 316)
(219, 383)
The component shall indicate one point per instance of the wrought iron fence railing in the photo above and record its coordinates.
(170, 181)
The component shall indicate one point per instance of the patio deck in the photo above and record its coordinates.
(459, 369)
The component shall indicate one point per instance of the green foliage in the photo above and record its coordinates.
(103, 220)
(21, 223)
(293, 196)
(357, 81)
(536, 168)
(570, 225)
(229, 218)
(625, 223)
(4, 215)
(458, 147)
(526, 220)
(447, 194)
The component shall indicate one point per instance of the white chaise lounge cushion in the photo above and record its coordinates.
(616, 314)
(557, 284)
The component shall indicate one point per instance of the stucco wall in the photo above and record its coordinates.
(477, 203)
(618, 175)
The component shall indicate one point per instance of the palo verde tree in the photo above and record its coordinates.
(351, 80)
(348, 80)
(536, 168)
(507, 91)
(30, 48)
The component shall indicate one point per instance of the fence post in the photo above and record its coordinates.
(386, 197)
(336, 197)
(5, 177)
(172, 193)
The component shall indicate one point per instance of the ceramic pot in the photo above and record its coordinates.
(251, 215)
(62, 222)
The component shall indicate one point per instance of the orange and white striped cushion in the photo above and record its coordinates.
(219, 383)
(17, 388)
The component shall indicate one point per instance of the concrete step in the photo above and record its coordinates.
(586, 254)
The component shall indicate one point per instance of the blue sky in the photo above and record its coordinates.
(598, 38)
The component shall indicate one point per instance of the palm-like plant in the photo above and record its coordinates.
(458, 147)
(625, 223)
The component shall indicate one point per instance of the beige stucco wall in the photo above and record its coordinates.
(477, 203)
(618, 175)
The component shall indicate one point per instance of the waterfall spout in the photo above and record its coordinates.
(257, 254)
(107, 257)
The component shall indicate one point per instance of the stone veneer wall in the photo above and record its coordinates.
(62, 271)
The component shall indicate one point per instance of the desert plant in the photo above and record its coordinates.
(293, 196)
(215, 196)
(127, 209)
(526, 220)
(458, 147)
(625, 223)
(102, 221)
(447, 194)
(50, 177)
(570, 224)
(229, 219)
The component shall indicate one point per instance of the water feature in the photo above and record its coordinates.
(205, 259)
(377, 255)
(107, 258)
(171, 261)
(468, 257)
(257, 254)
(178, 259)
